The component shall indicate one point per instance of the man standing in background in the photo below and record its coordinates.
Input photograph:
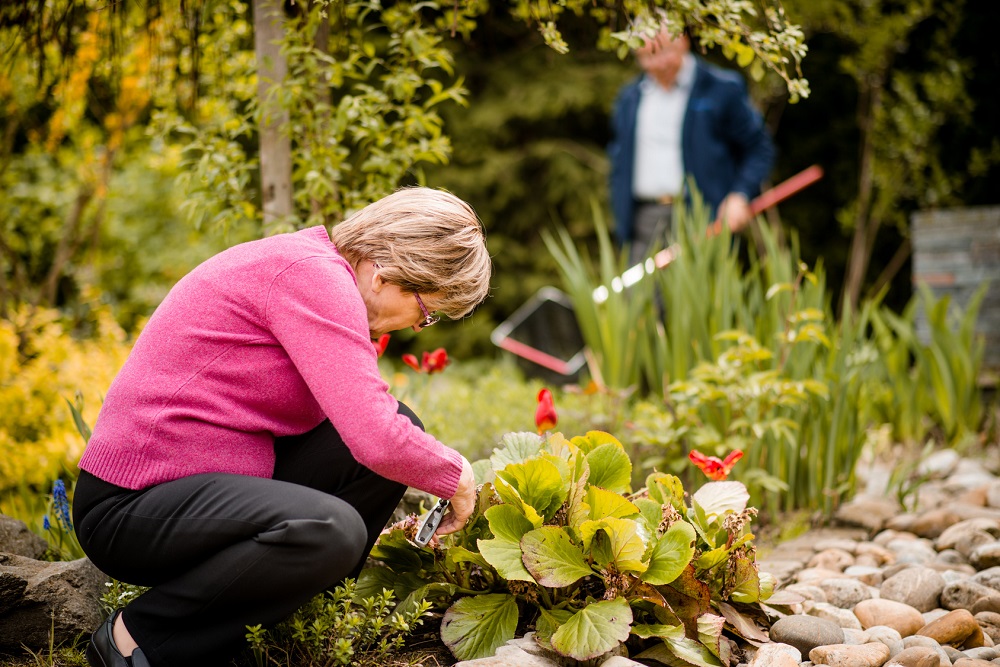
(682, 117)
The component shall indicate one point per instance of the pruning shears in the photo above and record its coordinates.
(429, 524)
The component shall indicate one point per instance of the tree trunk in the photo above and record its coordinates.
(275, 144)
(865, 227)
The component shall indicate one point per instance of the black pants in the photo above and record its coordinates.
(221, 552)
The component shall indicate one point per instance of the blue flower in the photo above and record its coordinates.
(61, 505)
(45, 523)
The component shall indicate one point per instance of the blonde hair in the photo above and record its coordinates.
(425, 241)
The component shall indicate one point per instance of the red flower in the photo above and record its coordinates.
(434, 362)
(712, 466)
(545, 413)
(381, 344)
(411, 361)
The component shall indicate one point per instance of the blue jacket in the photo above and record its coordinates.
(724, 144)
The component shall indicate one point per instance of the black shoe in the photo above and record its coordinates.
(102, 651)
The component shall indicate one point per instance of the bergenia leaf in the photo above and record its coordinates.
(711, 558)
(457, 554)
(578, 509)
(619, 543)
(503, 552)
(606, 504)
(538, 483)
(438, 590)
(710, 633)
(671, 554)
(548, 622)
(650, 514)
(595, 439)
(676, 645)
(747, 587)
(666, 490)
(510, 496)
(594, 630)
(610, 468)
(398, 553)
(717, 498)
(711, 503)
(743, 625)
(474, 627)
(558, 445)
(482, 470)
(514, 448)
(552, 558)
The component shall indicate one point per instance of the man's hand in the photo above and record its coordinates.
(734, 211)
(462, 503)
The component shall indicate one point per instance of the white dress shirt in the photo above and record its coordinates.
(659, 164)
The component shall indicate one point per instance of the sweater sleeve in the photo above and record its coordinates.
(316, 313)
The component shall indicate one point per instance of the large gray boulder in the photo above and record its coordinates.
(16, 538)
(42, 601)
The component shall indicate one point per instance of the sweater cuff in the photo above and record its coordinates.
(446, 484)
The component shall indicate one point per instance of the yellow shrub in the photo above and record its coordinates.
(41, 367)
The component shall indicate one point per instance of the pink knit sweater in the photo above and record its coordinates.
(265, 339)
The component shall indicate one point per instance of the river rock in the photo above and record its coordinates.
(872, 654)
(774, 655)
(888, 636)
(985, 556)
(932, 523)
(832, 559)
(988, 577)
(845, 593)
(916, 656)
(989, 621)
(968, 534)
(842, 617)
(993, 494)
(902, 617)
(964, 594)
(957, 628)
(806, 632)
(919, 587)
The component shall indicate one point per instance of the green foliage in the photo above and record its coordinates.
(118, 594)
(558, 541)
(931, 380)
(337, 628)
(41, 365)
(749, 357)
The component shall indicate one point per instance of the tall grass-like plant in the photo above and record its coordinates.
(619, 329)
(747, 355)
(932, 383)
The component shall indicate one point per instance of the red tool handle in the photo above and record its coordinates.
(778, 193)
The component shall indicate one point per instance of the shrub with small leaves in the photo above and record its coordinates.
(337, 628)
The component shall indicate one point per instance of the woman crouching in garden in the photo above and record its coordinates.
(248, 453)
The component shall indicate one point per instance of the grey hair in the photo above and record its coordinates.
(426, 241)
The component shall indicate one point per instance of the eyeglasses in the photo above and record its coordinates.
(429, 320)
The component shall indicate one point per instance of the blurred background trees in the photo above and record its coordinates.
(130, 145)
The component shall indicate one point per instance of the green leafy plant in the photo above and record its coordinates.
(933, 377)
(559, 542)
(337, 628)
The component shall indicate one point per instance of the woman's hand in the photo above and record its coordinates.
(462, 503)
